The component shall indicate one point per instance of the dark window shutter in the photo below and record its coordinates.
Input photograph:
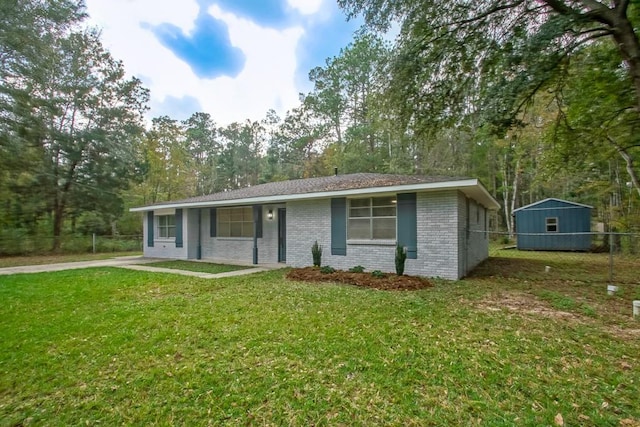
(257, 220)
(408, 224)
(150, 229)
(212, 222)
(178, 228)
(339, 226)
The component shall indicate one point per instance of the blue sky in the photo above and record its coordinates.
(233, 59)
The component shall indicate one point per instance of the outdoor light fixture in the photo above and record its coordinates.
(270, 214)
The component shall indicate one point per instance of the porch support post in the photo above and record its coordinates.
(199, 249)
(255, 249)
(256, 219)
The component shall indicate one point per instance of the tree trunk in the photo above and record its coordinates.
(617, 20)
(630, 168)
(506, 196)
(629, 48)
(58, 217)
(514, 195)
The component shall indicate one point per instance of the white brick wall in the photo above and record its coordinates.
(473, 241)
(242, 248)
(308, 221)
(164, 248)
(478, 243)
(445, 248)
(437, 234)
(217, 248)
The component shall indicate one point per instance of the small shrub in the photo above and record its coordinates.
(76, 244)
(559, 301)
(377, 274)
(357, 269)
(316, 253)
(401, 257)
(327, 270)
(587, 310)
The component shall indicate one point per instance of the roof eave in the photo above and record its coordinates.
(531, 205)
(471, 187)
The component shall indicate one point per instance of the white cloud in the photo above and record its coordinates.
(143, 55)
(267, 80)
(306, 7)
(113, 14)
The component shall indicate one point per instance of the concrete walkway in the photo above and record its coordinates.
(129, 262)
(195, 273)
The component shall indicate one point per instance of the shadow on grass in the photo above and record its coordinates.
(545, 266)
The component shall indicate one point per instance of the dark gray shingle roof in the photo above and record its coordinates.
(317, 185)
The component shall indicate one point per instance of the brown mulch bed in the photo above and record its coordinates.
(388, 282)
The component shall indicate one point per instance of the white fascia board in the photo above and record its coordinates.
(447, 185)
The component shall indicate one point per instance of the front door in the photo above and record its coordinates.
(282, 235)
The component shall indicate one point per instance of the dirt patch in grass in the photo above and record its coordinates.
(624, 333)
(501, 267)
(525, 304)
(387, 282)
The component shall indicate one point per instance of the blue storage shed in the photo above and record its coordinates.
(551, 224)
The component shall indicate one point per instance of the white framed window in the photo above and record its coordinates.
(551, 223)
(166, 228)
(373, 218)
(235, 222)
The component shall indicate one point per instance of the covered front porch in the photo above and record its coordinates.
(252, 234)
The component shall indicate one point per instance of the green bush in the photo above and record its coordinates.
(19, 242)
(76, 244)
(377, 274)
(357, 269)
(316, 253)
(401, 257)
(14, 241)
(122, 244)
(327, 270)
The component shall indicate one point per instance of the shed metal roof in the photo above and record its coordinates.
(533, 205)
(332, 186)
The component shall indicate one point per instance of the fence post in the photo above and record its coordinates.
(94, 243)
(610, 257)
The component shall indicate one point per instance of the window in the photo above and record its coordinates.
(552, 224)
(166, 226)
(372, 218)
(235, 222)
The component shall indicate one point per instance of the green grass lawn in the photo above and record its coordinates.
(110, 346)
(201, 267)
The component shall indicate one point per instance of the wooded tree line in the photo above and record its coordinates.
(536, 98)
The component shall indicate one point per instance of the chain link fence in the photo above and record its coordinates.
(612, 258)
(74, 244)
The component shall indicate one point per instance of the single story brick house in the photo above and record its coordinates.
(356, 218)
